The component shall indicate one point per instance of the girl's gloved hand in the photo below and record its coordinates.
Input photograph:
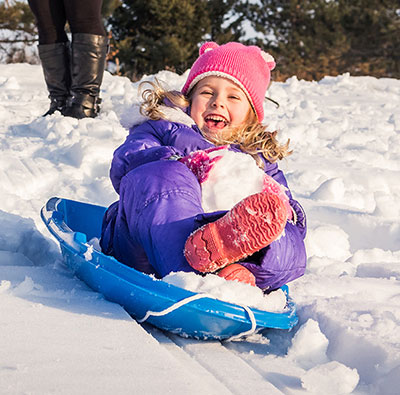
(272, 186)
(201, 162)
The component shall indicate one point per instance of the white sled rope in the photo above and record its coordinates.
(185, 301)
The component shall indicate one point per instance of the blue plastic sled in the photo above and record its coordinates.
(163, 305)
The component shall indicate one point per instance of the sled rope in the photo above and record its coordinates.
(182, 302)
(253, 324)
(174, 306)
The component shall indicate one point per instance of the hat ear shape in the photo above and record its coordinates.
(208, 46)
(269, 59)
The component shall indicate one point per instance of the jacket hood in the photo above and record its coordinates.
(132, 116)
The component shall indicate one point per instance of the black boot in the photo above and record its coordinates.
(88, 59)
(56, 70)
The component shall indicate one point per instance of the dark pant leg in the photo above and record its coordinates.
(157, 212)
(84, 16)
(50, 19)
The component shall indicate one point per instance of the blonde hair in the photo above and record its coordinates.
(252, 137)
(155, 96)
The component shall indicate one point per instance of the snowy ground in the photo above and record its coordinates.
(59, 337)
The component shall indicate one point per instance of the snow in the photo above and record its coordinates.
(331, 378)
(234, 176)
(58, 336)
(19, 50)
(233, 292)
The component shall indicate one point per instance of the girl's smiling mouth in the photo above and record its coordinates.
(215, 121)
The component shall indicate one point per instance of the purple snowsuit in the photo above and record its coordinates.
(160, 206)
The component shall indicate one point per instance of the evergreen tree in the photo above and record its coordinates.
(158, 34)
(226, 20)
(373, 32)
(303, 35)
(108, 7)
(313, 38)
(16, 15)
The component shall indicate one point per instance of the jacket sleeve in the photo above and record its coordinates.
(145, 143)
(284, 259)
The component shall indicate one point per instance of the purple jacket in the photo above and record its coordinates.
(160, 205)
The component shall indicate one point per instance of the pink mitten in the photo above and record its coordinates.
(272, 186)
(201, 162)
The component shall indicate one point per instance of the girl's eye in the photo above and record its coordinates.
(206, 93)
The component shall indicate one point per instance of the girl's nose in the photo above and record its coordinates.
(217, 102)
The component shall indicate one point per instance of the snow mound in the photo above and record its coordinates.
(332, 378)
(309, 345)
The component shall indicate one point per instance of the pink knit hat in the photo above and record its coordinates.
(247, 66)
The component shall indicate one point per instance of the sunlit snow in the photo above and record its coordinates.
(59, 337)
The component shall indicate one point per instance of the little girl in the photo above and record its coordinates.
(159, 225)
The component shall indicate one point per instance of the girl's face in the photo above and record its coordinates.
(217, 103)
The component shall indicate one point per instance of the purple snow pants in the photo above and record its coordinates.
(159, 206)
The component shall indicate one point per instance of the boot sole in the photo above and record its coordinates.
(252, 224)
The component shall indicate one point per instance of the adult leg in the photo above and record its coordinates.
(53, 50)
(88, 58)
(85, 16)
(50, 19)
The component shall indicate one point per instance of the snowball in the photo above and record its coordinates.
(330, 378)
(230, 180)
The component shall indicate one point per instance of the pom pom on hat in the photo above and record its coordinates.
(269, 59)
(247, 66)
(208, 46)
